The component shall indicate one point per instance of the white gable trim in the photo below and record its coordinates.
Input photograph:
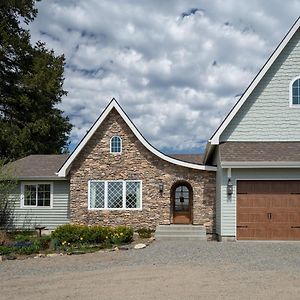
(215, 139)
(63, 171)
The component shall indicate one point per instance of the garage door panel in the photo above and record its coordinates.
(248, 201)
(294, 201)
(253, 217)
(268, 210)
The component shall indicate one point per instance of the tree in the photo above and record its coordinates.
(31, 87)
(8, 183)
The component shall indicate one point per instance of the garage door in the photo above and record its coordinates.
(268, 210)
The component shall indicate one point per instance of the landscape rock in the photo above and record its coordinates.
(53, 254)
(124, 248)
(140, 246)
(11, 257)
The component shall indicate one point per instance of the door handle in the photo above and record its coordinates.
(269, 216)
(242, 226)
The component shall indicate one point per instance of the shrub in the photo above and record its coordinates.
(67, 235)
(96, 235)
(5, 250)
(144, 232)
(121, 235)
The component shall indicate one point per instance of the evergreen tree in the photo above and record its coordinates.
(31, 86)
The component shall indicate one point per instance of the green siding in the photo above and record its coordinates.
(49, 217)
(266, 115)
(228, 203)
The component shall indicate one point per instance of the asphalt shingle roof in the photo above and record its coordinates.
(191, 158)
(37, 165)
(260, 151)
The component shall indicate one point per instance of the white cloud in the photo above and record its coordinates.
(175, 67)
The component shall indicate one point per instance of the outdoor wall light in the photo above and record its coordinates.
(229, 187)
(161, 188)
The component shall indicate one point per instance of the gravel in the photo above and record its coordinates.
(163, 270)
(241, 255)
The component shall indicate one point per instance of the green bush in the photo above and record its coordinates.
(67, 235)
(121, 235)
(5, 250)
(144, 232)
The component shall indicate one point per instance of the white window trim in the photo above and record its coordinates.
(106, 193)
(121, 145)
(291, 93)
(23, 206)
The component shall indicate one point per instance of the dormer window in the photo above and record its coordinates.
(116, 145)
(295, 92)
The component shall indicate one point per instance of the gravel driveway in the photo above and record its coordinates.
(164, 270)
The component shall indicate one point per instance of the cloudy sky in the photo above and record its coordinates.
(176, 67)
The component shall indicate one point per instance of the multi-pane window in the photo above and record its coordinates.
(115, 194)
(115, 144)
(296, 92)
(37, 194)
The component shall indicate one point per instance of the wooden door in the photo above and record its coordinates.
(268, 210)
(182, 200)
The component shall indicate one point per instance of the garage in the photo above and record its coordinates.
(268, 210)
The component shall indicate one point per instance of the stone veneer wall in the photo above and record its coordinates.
(96, 162)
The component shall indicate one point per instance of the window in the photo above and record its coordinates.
(115, 194)
(295, 92)
(36, 195)
(115, 144)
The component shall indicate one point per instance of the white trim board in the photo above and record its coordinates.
(260, 164)
(215, 139)
(63, 171)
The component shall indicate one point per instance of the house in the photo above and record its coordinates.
(246, 186)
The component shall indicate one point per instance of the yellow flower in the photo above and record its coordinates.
(81, 238)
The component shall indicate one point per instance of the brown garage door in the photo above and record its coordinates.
(268, 210)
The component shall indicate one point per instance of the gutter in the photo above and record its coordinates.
(260, 164)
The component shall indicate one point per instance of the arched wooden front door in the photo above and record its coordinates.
(182, 201)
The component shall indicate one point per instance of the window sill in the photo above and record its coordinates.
(36, 207)
(115, 209)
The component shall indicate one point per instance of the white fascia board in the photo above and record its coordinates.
(260, 164)
(215, 139)
(41, 178)
(114, 104)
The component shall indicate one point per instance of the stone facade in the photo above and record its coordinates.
(95, 162)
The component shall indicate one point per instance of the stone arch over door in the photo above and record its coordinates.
(181, 199)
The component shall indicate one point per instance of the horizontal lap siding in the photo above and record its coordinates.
(267, 115)
(49, 217)
(228, 203)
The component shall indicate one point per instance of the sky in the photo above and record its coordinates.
(176, 67)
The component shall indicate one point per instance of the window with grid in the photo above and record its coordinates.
(38, 195)
(296, 92)
(115, 144)
(115, 194)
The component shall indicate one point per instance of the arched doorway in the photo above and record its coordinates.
(182, 202)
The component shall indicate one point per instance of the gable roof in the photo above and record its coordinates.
(243, 154)
(63, 171)
(36, 166)
(214, 140)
